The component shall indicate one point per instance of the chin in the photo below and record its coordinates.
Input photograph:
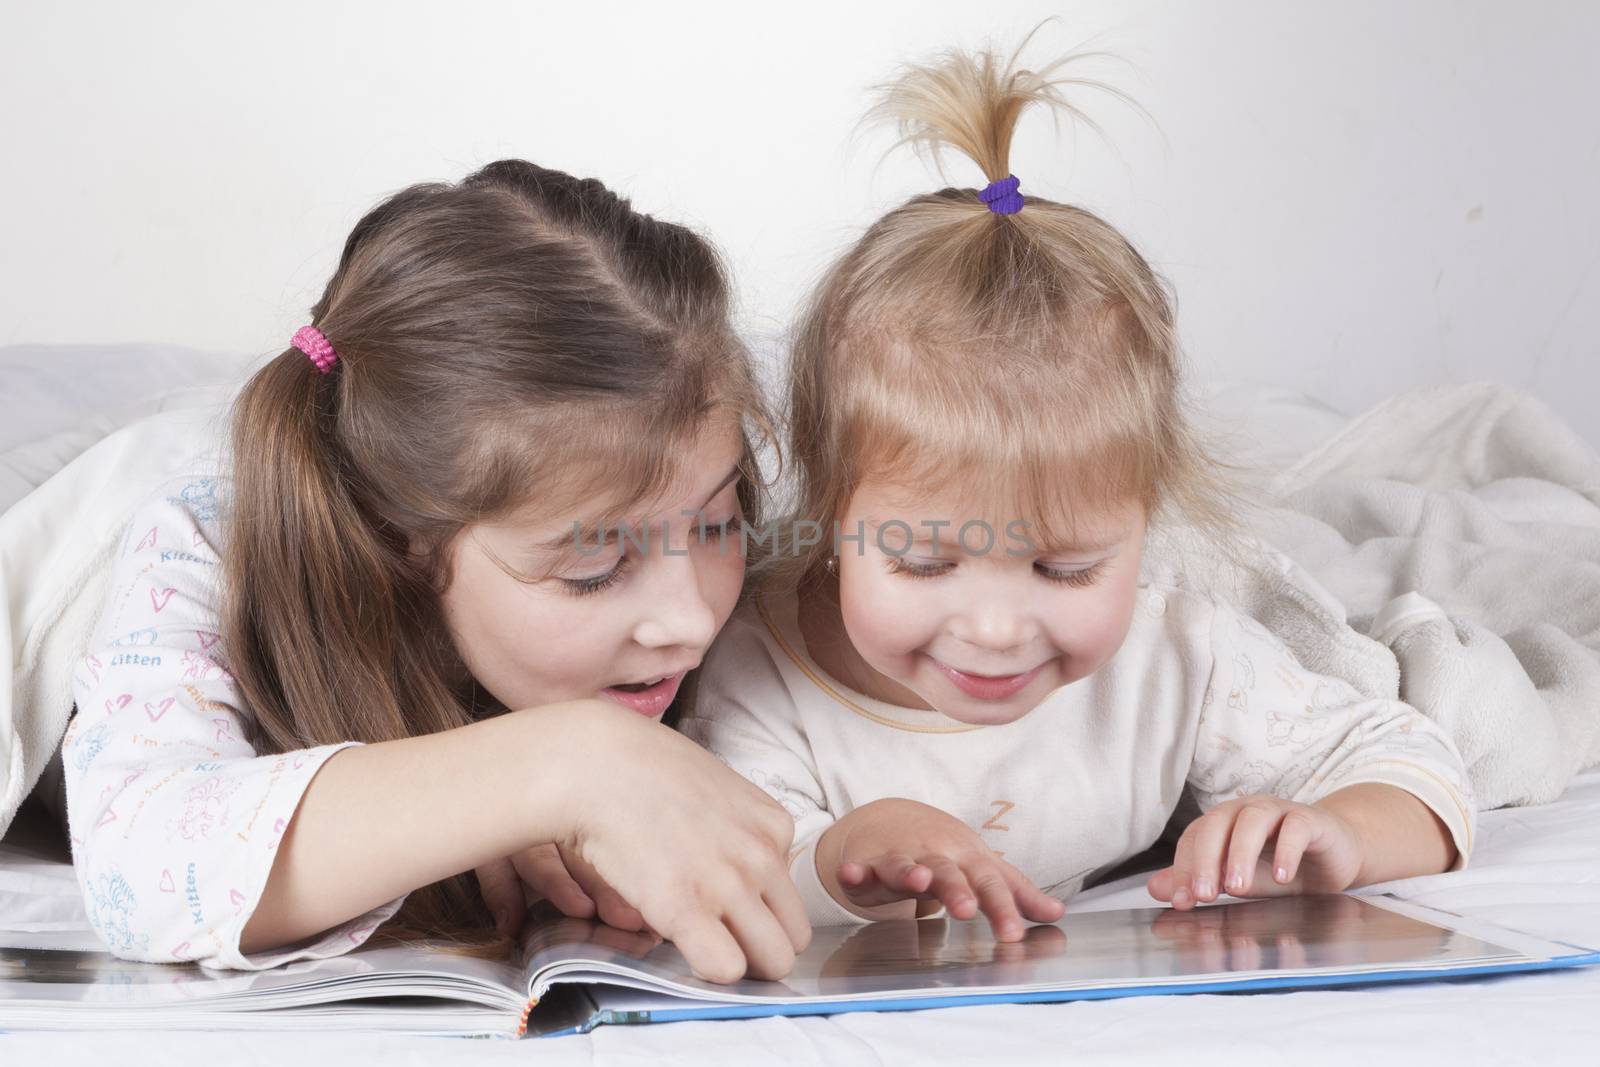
(987, 714)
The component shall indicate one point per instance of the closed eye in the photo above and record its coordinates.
(912, 569)
(1080, 577)
(586, 586)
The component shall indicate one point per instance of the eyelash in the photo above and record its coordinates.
(601, 582)
(1077, 579)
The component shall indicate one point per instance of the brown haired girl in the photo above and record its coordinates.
(391, 646)
(965, 692)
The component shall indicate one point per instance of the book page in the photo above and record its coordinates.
(1335, 933)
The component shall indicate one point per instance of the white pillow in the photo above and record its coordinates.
(60, 399)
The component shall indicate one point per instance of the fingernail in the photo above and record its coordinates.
(1235, 881)
(1281, 874)
(1181, 897)
(1202, 888)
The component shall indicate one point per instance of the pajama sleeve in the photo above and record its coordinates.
(745, 714)
(174, 818)
(1270, 726)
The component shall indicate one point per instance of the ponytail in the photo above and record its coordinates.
(1016, 349)
(314, 622)
(319, 592)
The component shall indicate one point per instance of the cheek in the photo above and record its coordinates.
(880, 612)
(1100, 624)
(721, 580)
(524, 645)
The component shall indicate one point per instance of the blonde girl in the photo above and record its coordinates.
(962, 690)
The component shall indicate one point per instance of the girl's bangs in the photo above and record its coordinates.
(1067, 473)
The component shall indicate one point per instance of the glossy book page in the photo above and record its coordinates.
(1296, 935)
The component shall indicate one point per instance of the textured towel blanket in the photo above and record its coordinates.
(1444, 547)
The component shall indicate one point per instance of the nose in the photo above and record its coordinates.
(678, 613)
(993, 623)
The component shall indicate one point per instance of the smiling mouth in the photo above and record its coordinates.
(989, 686)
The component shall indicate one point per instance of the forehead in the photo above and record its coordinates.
(692, 472)
(1063, 521)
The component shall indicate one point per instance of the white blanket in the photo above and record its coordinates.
(1461, 527)
(1458, 532)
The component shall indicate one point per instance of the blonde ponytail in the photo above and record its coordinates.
(1029, 359)
(971, 102)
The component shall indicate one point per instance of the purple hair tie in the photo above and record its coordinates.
(309, 340)
(1002, 196)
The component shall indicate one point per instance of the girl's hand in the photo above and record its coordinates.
(549, 872)
(895, 850)
(699, 852)
(1316, 851)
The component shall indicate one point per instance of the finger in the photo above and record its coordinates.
(995, 900)
(1178, 878)
(1181, 878)
(708, 947)
(880, 881)
(1299, 830)
(502, 892)
(1209, 836)
(1254, 825)
(783, 900)
(949, 886)
(1035, 904)
(613, 910)
(768, 951)
(902, 875)
(544, 872)
(851, 875)
(863, 886)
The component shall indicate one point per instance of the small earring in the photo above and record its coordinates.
(832, 565)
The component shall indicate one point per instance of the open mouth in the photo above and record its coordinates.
(650, 698)
(639, 687)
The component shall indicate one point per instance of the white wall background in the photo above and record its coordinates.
(1352, 198)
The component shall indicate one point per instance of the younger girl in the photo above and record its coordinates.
(961, 690)
(377, 653)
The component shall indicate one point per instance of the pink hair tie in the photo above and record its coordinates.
(309, 340)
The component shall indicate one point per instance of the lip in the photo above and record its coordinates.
(988, 686)
(651, 703)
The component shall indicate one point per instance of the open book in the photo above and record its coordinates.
(573, 975)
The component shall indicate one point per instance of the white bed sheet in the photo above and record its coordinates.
(1536, 869)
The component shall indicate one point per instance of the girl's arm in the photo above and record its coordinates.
(380, 820)
(1270, 726)
(1402, 835)
(1264, 845)
(698, 850)
(189, 845)
(1351, 789)
(745, 713)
